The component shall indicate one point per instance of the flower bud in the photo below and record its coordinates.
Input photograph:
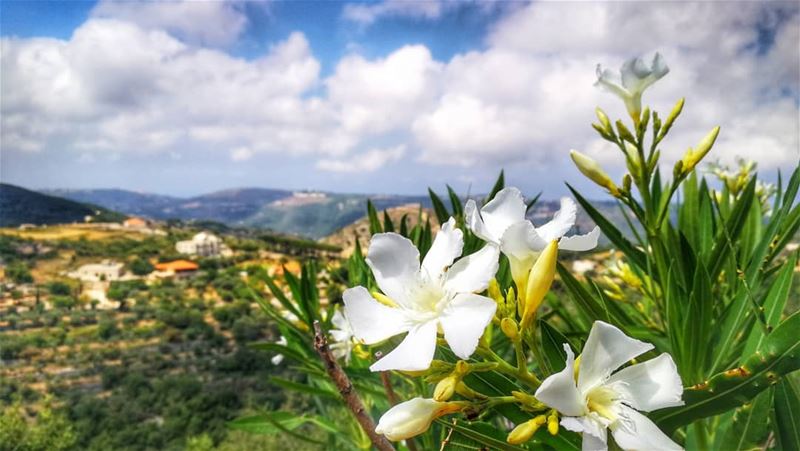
(593, 171)
(624, 133)
(539, 281)
(445, 388)
(552, 423)
(494, 292)
(413, 417)
(604, 122)
(523, 432)
(509, 327)
(693, 156)
(626, 183)
(676, 111)
(633, 161)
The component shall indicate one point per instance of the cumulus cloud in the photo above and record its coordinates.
(216, 23)
(129, 82)
(375, 96)
(527, 95)
(366, 14)
(116, 86)
(369, 161)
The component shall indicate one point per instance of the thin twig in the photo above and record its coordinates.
(387, 386)
(347, 391)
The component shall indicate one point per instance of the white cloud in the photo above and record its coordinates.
(375, 96)
(528, 97)
(114, 86)
(139, 84)
(216, 23)
(366, 14)
(241, 154)
(369, 161)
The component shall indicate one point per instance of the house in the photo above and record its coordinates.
(134, 223)
(204, 244)
(179, 268)
(106, 271)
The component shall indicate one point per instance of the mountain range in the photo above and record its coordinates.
(307, 213)
(311, 214)
(22, 206)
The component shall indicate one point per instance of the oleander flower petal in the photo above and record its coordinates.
(579, 243)
(606, 349)
(464, 321)
(636, 432)
(414, 353)
(472, 273)
(651, 385)
(559, 391)
(372, 321)
(445, 249)
(562, 221)
(472, 217)
(394, 261)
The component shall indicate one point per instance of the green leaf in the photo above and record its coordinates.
(442, 215)
(611, 231)
(278, 349)
(270, 423)
(553, 346)
(532, 202)
(499, 184)
(787, 414)
(773, 305)
(730, 231)
(480, 432)
(455, 202)
(779, 355)
(748, 430)
(374, 222)
(303, 388)
(388, 225)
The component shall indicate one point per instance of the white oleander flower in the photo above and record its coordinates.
(278, 358)
(413, 417)
(342, 336)
(438, 295)
(502, 223)
(634, 77)
(599, 400)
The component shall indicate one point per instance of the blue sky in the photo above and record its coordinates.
(385, 96)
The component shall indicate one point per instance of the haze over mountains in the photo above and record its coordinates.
(311, 214)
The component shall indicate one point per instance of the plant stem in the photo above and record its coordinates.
(348, 392)
(504, 367)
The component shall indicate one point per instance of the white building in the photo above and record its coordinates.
(203, 244)
(106, 271)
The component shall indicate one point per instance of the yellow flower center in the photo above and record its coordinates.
(602, 400)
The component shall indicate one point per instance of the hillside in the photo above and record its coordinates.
(344, 238)
(310, 214)
(21, 206)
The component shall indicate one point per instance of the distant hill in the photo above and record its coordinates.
(344, 238)
(130, 202)
(21, 206)
(310, 214)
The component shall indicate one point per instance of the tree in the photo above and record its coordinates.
(48, 432)
(140, 267)
(19, 273)
(59, 288)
